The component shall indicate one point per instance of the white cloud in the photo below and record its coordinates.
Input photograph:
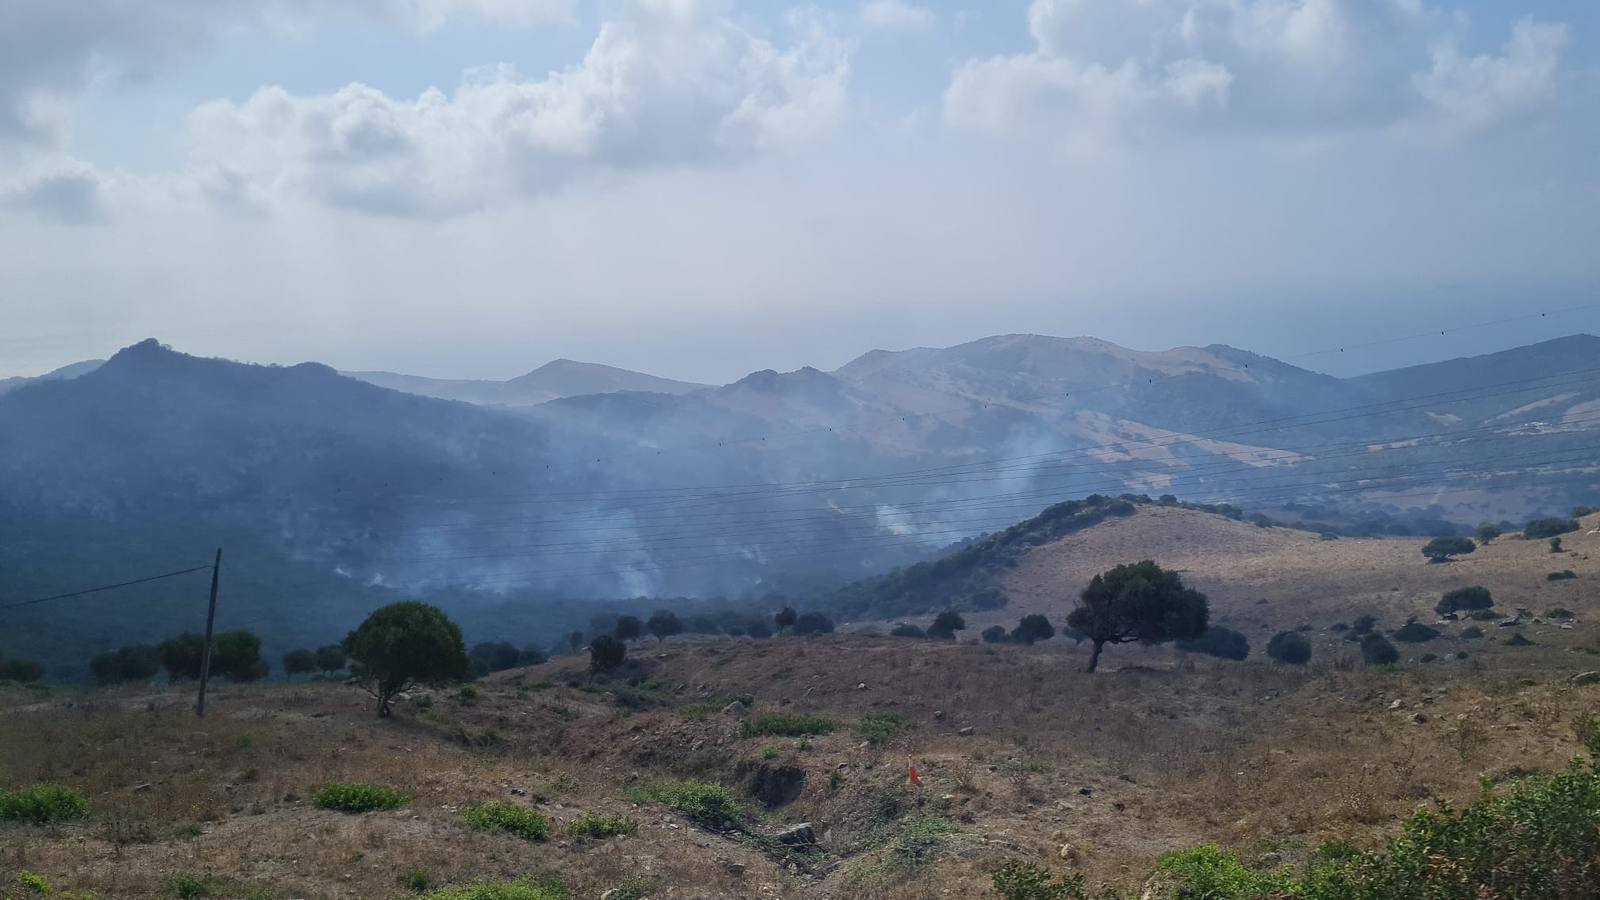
(50, 50)
(67, 192)
(1113, 67)
(897, 15)
(673, 83)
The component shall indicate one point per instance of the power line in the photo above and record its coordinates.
(108, 587)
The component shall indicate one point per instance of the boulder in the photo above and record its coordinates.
(801, 835)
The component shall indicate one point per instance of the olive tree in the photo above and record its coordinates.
(1139, 602)
(403, 645)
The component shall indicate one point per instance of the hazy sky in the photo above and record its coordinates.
(700, 188)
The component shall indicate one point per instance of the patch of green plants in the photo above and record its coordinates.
(520, 889)
(602, 825)
(1021, 880)
(880, 728)
(709, 805)
(786, 726)
(525, 823)
(42, 804)
(416, 881)
(1558, 612)
(187, 886)
(1415, 633)
(1563, 575)
(357, 797)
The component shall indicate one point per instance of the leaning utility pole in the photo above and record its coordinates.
(211, 619)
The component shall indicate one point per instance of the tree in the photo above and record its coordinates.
(994, 634)
(1548, 528)
(606, 653)
(22, 670)
(299, 662)
(1290, 647)
(403, 645)
(1555, 545)
(135, 662)
(181, 656)
(1224, 643)
(1441, 549)
(236, 656)
(1139, 602)
(664, 624)
(907, 630)
(1032, 629)
(1488, 531)
(575, 641)
(946, 624)
(813, 623)
(628, 628)
(1377, 651)
(330, 659)
(494, 657)
(785, 618)
(1474, 597)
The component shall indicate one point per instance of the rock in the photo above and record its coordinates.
(862, 686)
(1397, 704)
(611, 894)
(966, 732)
(1419, 718)
(1585, 678)
(802, 835)
(1512, 622)
(1069, 854)
(1085, 791)
(736, 709)
(938, 715)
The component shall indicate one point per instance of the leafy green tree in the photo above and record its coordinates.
(403, 645)
(907, 630)
(1033, 629)
(606, 654)
(135, 662)
(785, 618)
(236, 656)
(1377, 651)
(575, 641)
(21, 670)
(664, 624)
(1290, 647)
(1474, 597)
(1488, 531)
(946, 624)
(1548, 528)
(1224, 643)
(181, 656)
(330, 659)
(1441, 549)
(494, 657)
(994, 634)
(627, 628)
(1140, 602)
(299, 662)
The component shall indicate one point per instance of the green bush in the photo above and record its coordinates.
(186, 886)
(1224, 643)
(1441, 549)
(521, 889)
(41, 804)
(1558, 612)
(357, 797)
(25, 671)
(1019, 880)
(525, 823)
(1415, 633)
(994, 634)
(600, 826)
(1377, 651)
(1518, 640)
(786, 726)
(879, 728)
(1472, 632)
(1209, 872)
(1483, 615)
(710, 805)
(1563, 575)
(907, 630)
(1549, 528)
(1290, 647)
(1474, 597)
(403, 645)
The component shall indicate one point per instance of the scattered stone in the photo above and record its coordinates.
(1069, 854)
(1512, 622)
(1397, 704)
(1419, 718)
(938, 715)
(1085, 791)
(966, 732)
(1585, 678)
(736, 709)
(862, 686)
(797, 835)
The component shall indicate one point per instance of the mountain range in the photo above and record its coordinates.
(330, 492)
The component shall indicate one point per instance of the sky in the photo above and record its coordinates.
(703, 188)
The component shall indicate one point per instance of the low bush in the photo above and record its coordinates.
(1474, 597)
(709, 805)
(1549, 528)
(1558, 612)
(786, 726)
(525, 823)
(1218, 641)
(1020, 880)
(1443, 548)
(1290, 647)
(25, 671)
(994, 634)
(357, 797)
(945, 625)
(1415, 633)
(187, 886)
(907, 630)
(1377, 651)
(1518, 640)
(521, 889)
(879, 728)
(602, 825)
(1472, 632)
(1563, 575)
(1483, 615)
(1033, 629)
(42, 804)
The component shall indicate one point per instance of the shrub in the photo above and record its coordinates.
(1441, 549)
(1555, 545)
(495, 657)
(299, 662)
(1475, 597)
(1518, 640)
(1487, 532)
(945, 625)
(1140, 602)
(1549, 528)
(357, 797)
(879, 728)
(664, 623)
(22, 670)
(1206, 871)
(1020, 880)
(403, 645)
(1032, 629)
(186, 886)
(1558, 612)
(601, 826)
(906, 630)
(786, 726)
(1415, 633)
(525, 823)
(135, 662)
(1377, 651)
(1218, 641)
(709, 805)
(994, 634)
(1362, 625)
(1483, 615)
(521, 889)
(1563, 575)
(1290, 647)
(1472, 632)
(41, 804)
(330, 658)
(785, 618)
(606, 653)
(813, 623)
(416, 881)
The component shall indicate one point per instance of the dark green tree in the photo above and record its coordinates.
(21, 670)
(1441, 549)
(664, 624)
(946, 624)
(785, 618)
(1548, 528)
(299, 662)
(330, 659)
(494, 657)
(1474, 597)
(1033, 629)
(994, 634)
(1140, 602)
(1290, 647)
(1377, 651)
(627, 628)
(1224, 643)
(135, 662)
(236, 656)
(181, 656)
(1488, 531)
(403, 645)
(606, 653)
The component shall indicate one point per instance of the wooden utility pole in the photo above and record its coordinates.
(211, 620)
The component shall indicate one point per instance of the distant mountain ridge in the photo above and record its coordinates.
(551, 381)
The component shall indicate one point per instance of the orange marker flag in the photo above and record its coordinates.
(911, 773)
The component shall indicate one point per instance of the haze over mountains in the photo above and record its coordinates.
(328, 489)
